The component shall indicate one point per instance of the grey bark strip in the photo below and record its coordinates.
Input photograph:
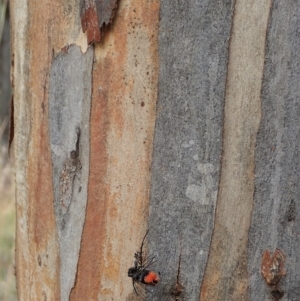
(69, 111)
(226, 275)
(275, 218)
(188, 140)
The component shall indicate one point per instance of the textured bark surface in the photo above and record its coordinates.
(226, 275)
(84, 131)
(184, 119)
(37, 252)
(188, 140)
(122, 125)
(276, 219)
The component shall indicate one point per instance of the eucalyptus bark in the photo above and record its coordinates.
(178, 116)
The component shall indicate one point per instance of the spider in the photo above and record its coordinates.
(140, 273)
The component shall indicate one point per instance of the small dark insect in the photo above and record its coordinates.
(140, 273)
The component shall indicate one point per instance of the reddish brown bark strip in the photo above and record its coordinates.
(121, 129)
(89, 269)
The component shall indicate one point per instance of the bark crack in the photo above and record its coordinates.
(178, 288)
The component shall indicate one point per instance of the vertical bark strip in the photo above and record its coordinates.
(275, 221)
(69, 114)
(122, 124)
(226, 276)
(20, 140)
(37, 29)
(37, 259)
(193, 51)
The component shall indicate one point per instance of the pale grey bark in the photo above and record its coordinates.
(193, 53)
(275, 218)
(69, 113)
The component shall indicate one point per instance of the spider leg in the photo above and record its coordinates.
(141, 248)
(149, 261)
(148, 291)
(133, 284)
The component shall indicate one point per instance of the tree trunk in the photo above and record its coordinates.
(178, 116)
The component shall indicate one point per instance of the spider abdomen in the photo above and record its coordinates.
(143, 276)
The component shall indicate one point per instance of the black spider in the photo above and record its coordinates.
(140, 272)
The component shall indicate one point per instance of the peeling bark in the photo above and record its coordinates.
(272, 266)
(96, 15)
